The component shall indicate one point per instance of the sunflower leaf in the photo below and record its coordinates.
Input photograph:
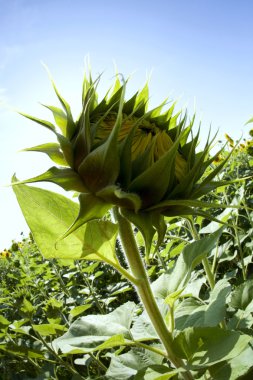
(49, 214)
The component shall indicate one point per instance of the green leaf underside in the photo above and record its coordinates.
(49, 215)
(242, 296)
(90, 332)
(191, 256)
(192, 314)
(157, 372)
(205, 346)
(138, 364)
(234, 368)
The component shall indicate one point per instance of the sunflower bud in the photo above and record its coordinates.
(120, 154)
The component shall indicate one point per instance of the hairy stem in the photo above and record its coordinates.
(144, 289)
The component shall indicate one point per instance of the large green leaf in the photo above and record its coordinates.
(235, 368)
(205, 346)
(143, 329)
(214, 226)
(242, 296)
(49, 215)
(92, 331)
(241, 320)
(156, 372)
(191, 256)
(99, 241)
(192, 314)
(127, 365)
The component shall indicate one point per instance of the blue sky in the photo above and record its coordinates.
(199, 51)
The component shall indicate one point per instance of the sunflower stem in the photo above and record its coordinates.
(144, 290)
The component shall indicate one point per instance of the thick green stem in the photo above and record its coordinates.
(144, 289)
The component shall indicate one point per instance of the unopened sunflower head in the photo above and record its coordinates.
(119, 153)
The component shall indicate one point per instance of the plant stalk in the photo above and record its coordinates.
(144, 289)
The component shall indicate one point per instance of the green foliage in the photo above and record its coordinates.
(40, 298)
(66, 314)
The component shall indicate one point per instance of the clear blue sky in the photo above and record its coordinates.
(197, 50)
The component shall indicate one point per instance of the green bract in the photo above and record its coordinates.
(119, 153)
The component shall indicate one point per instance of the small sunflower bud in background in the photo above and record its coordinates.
(5, 254)
(119, 153)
